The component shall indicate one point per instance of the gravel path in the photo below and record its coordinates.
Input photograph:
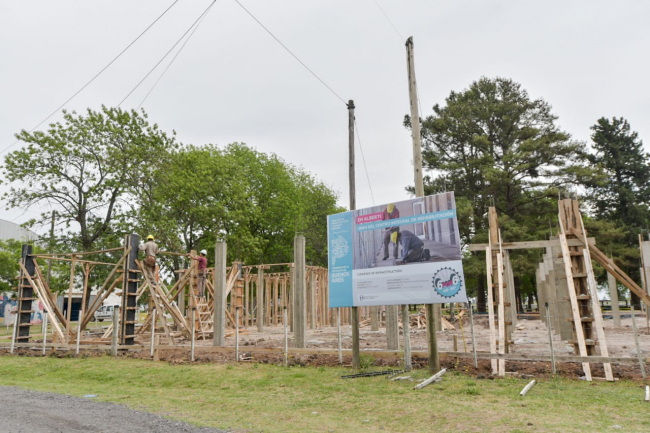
(37, 412)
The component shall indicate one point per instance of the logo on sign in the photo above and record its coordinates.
(447, 282)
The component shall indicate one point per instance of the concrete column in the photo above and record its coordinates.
(613, 293)
(392, 327)
(374, 319)
(312, 299)
(260, 299)
(562, 296)
(300, 295)
(219, 294)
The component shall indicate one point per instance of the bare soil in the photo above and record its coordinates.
(530, 338)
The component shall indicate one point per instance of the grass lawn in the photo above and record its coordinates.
(257, 397)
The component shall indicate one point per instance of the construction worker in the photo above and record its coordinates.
(150, 249)
(412, 248)
(390, 213)
(203, 264)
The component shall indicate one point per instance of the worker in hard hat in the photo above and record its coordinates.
(390, 234)
(202, 271)
(412, 248)
(150, 249)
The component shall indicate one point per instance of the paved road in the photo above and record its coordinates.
(40, 412)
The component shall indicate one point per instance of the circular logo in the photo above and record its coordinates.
(447, 282)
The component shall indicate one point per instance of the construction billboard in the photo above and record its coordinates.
(406, 252)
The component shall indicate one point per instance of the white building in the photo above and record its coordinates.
(9, 230)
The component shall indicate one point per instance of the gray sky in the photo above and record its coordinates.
(233, 82)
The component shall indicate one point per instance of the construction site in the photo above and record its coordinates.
(279, 313)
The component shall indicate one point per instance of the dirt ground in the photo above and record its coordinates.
(530, 337)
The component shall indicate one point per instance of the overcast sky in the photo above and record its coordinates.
(233, 82)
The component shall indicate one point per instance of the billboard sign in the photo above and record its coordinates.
(406, 252)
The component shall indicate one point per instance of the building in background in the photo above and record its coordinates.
(9, 230)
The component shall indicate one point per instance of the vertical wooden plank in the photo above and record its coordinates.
(490, 305)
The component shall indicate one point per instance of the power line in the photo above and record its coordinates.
(172, 61)
(97, 75)
(401, 38)
(363, 158)
(289, 51)
(167, 53)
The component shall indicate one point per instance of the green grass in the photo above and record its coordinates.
(269, 398)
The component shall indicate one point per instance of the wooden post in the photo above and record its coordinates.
(260, 299)
(116, 327)
(299, 295)
(193, 332)
(433, 316)
(24, 302)
(129, 290)
(286, 336)
(338, 334)
(471, 321)
(219, 284)
(153, 329)
(237, 334)
(354, 313)
(68, 315)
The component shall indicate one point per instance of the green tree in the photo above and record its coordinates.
(619, 197)
(87, 168)
(254, 201)
(496, 146)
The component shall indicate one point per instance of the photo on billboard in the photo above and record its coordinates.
(404, 252)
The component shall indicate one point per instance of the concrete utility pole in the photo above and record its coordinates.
(219, 313)
(354, 312)
(432, 317)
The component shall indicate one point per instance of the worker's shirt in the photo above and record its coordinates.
(409, 242)
(203, 263)
(150, 248)
(391, 216)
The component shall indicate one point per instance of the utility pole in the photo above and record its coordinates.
(432, 317)
(356, 360)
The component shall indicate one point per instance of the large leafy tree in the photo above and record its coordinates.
(86, 167)
(254, 201)
(494, 145)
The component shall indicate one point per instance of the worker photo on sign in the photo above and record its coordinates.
(420, 230)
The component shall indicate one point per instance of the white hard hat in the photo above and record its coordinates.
(204, 252)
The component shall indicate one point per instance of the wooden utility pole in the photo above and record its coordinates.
(432, 317)
(354, 316)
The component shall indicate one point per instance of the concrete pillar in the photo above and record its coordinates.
(540, 278)
(260, 299)
(562, 296)
(374, 319)
(219, 294)
(613, 293)
(300, 295)
(392, 327)
(312, 299)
